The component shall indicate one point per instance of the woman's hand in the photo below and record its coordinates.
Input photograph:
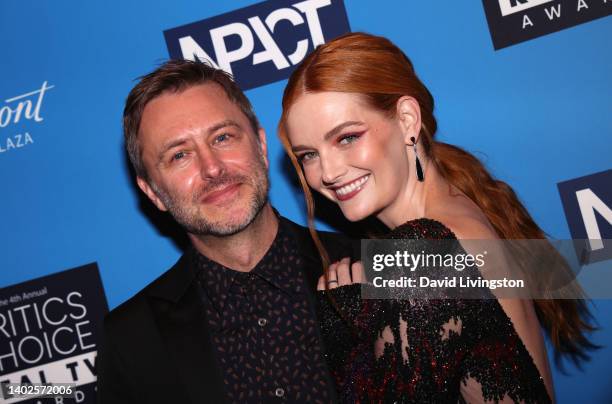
(339, 274)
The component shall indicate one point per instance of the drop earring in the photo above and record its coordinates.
(419, 168)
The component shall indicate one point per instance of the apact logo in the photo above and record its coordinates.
(587, 202)
(515, 21)
(262, 43)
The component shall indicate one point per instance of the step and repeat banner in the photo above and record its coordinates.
(523, 84)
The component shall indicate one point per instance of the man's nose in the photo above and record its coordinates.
(211, 164)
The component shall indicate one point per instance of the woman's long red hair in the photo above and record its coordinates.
(379, 71)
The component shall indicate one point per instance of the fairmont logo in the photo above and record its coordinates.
(515, 21)
(23, 107)
(262, 43)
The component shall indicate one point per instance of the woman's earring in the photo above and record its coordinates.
(419, 169)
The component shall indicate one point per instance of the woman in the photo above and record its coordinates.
(358, 126)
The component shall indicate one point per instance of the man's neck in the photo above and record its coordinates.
(243, 250)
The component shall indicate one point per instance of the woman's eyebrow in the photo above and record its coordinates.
(333, 132)
(339, 128)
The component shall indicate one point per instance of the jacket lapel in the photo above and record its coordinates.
(308, 252)
(183, 327)
(337, 247)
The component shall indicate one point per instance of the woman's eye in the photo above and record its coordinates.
(306, 156)
(346, 139)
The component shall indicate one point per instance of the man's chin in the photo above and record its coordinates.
(227, 224)
(227, 229)
(216, 228)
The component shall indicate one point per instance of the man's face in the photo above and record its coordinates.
(205, 165)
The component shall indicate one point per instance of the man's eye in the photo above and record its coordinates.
(224, 137)
(307, 156)
(178, 155)
(350, 138)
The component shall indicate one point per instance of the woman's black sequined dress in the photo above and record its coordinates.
(425, 351)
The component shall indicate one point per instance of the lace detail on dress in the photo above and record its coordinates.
(425, 351)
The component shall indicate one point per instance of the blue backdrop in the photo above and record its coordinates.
(538, 113)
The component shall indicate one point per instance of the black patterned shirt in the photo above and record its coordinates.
(264, 331)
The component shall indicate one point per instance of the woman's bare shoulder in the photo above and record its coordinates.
(466, 222)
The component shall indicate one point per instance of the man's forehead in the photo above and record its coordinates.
(202, 104)
(200, 95)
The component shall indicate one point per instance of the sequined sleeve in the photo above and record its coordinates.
(423, 351)
(383, 351)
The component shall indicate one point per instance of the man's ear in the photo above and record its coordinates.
(150, 193)
(409, 117)
(261, 135)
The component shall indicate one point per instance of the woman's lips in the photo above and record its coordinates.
(351, 189)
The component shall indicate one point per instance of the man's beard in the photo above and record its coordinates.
(186, 214)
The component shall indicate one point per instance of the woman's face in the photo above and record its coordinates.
(354, 155)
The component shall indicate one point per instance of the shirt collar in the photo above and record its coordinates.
(280, 267)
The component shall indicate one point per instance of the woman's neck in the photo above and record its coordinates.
(416, 199)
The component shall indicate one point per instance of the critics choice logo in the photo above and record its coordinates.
(49, 329)
(515, 21)
(261, 43)
(20, 108)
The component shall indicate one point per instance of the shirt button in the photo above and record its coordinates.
(262, 322)
(279, 392)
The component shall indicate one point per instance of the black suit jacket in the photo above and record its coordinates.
(156, 346)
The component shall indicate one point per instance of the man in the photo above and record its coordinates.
(234, 319)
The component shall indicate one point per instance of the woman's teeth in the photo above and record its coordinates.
(352, 186)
